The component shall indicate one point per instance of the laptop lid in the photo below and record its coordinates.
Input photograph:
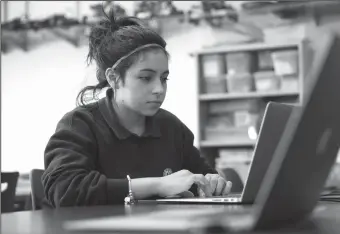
(308, 148)
(273, 124)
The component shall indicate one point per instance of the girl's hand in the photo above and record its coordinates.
(182, 181)
(219, 186)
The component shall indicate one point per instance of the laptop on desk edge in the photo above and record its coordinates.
(273, 124)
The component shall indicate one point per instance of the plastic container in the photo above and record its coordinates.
(220, 121)
(240, 62)
(232, 135)
(265, 61)
(290, 84)
(235, 155)
(215, 85)
(212, 65)
(267, 81)
(245, 118)
(239, 83)
(220, 107)
(285, 62)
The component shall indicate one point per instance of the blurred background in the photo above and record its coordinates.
(228, 59)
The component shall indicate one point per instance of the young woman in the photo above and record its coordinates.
(98, 144)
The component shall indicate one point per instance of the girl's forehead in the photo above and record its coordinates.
(154, 59)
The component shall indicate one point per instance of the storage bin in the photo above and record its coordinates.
(285, 62)
(265, 61)
(267, 81)
(240, 62)
(290, 84)
(215, 85)
(220, 107)
(239, 83)
(233, 119)
(220, 121)
(231, 135)
(212, 65)
(245, 118)
(235, 155)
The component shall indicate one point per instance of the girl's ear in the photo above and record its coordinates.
(111, 78)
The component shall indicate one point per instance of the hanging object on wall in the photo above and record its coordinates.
(30, 33)
(223, 17)
(293, 10)
(212, 12)
(97, 9)
(25, 33)
(162, 16)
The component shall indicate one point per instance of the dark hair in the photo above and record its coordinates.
(109, 40)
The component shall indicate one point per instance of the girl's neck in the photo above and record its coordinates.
(131, 120)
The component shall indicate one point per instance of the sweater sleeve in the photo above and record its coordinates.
(70, 177)
(192, 158)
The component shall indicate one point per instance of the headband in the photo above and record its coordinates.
(134, 51)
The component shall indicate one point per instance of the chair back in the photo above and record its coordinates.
(37, 190)
(9, 182)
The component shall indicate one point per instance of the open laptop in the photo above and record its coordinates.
(296, 175)
(272, 126)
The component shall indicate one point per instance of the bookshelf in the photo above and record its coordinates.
(230, 113)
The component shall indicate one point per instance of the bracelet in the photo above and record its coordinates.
(129, 199)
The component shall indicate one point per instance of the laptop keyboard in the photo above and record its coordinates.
(232, 195)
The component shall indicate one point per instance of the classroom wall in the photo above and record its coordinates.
(40, 86)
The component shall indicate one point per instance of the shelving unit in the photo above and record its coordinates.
(231, 96)
(210, 146)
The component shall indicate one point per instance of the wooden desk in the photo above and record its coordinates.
(327, 219)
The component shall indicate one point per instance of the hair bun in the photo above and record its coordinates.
(116, 23)
(128, 21)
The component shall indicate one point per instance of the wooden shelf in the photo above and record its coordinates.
(220, 143)
(228, 96)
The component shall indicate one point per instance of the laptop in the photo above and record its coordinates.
(294, 180)
(272, 126)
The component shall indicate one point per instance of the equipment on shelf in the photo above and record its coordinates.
(156, 9)
(106, 5)
(213, 12)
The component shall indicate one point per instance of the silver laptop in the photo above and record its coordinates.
(273, 124)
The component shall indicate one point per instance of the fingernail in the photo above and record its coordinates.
(229, 183)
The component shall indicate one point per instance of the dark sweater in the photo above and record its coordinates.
(90, 154)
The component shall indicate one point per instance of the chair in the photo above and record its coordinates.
(37, 190)
(9, 182)
(235, 178)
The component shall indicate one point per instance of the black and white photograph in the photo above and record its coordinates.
(202, 117)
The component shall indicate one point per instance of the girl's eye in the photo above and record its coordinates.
(165, 79)
(146, 78)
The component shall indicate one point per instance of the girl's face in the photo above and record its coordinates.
(145, 83)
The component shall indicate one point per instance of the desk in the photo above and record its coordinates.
(327, 220)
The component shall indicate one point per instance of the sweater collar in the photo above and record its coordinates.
(152, 128)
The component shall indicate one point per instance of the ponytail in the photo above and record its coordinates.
(90, 93)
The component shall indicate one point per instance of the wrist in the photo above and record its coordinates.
(158, 182)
